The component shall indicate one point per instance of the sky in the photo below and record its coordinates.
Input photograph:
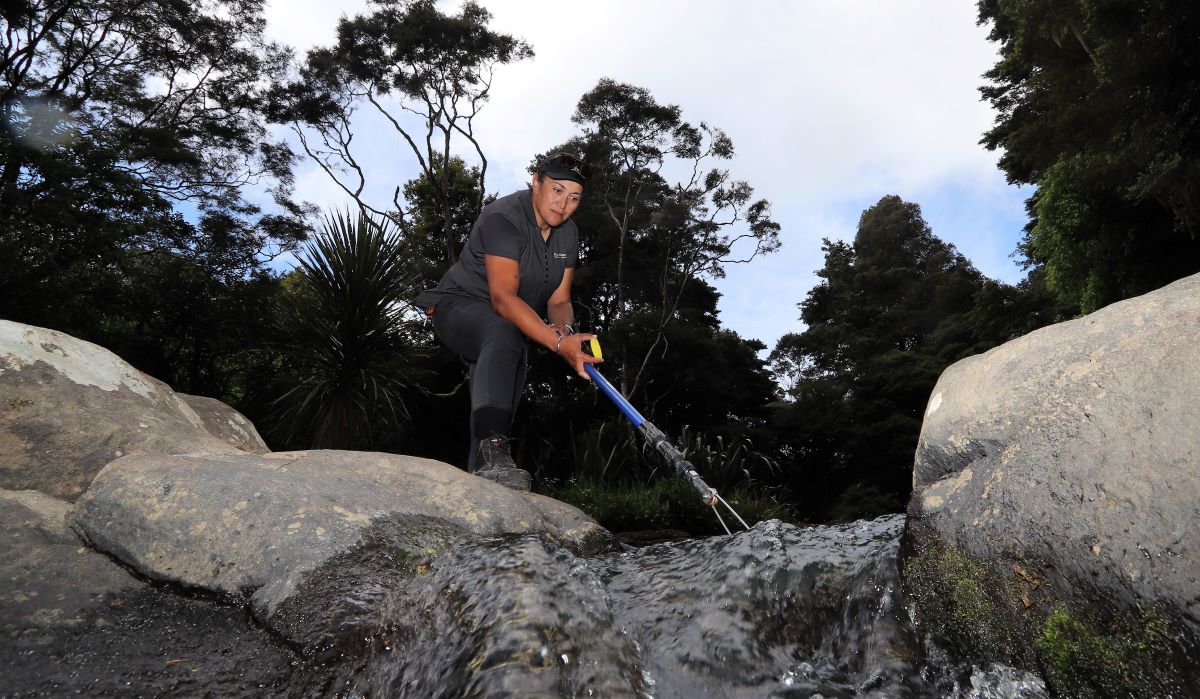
(831, 105)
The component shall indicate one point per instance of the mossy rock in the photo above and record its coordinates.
(1135, 654)
(1007, 611)
(973, 607)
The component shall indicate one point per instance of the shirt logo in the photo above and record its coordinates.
(560, 255)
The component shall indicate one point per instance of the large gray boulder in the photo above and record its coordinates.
(227, 424)
(243, 523)
(69, 407)
(1073, 456)
(49, 577)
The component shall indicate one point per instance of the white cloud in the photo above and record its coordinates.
(303, 24)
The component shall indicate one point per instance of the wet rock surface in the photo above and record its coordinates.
(48, 577)
(510, 616)
(73, 622)
(419, 608)
(148, 642)
(775, 612)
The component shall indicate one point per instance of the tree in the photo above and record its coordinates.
(406, 58)
(682, 231)
(628, 138)
(424, 227)
(892, 310)
(1096, 106)
(133, 132)
(173, 320)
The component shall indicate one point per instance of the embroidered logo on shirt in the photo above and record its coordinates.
(560, 255)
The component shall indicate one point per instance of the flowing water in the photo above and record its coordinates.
(778, 611)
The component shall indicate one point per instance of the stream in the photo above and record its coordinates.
(778, 611)
(775, 612)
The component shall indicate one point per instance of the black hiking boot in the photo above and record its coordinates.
(496, 464)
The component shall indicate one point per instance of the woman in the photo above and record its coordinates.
(515, 270)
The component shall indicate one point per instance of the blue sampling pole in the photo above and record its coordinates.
(657, 439)
(653, 436)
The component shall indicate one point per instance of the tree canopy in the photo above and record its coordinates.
(1096, 103)
(405, 59)
(653, 240)
(136, 167)
(892, 310)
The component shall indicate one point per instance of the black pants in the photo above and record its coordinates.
(496, 350)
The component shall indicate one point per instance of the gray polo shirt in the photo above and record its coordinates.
(507, 228)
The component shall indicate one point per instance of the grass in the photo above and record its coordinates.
(665, 502)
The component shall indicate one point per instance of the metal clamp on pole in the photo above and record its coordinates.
(656, 439)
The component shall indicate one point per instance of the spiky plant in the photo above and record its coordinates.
(348, 355)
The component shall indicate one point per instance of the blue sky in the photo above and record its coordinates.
(831, 105)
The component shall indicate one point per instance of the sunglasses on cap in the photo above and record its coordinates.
(564, 166)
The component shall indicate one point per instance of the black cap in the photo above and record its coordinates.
(564, 166)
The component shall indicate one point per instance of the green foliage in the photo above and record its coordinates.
(726, 462)
(965, 605)
(347, 359)
(652, 241)
(170, 318)
(424, 226)
(726, 401)
(1096, 106)
(625, 487)
(116, 118)
(864, 501)
(976, 609)
(607, 452)
(892, 310)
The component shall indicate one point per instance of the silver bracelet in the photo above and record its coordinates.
(558, 345)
